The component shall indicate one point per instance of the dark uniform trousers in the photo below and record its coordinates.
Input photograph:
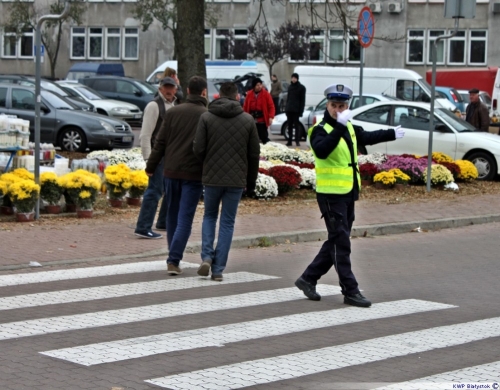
(336, 251)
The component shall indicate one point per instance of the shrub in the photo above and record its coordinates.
(453, 168)
(386, 178)
(400, 176)
(138, 183)
(440, 175)
(264, 171)
(468, 170)
(287, 178)
(441, 157)
(413, 167)
(368, 170)
(117, 180)
(301, 164)
(265, 187)
(51, 188)
(24, 195)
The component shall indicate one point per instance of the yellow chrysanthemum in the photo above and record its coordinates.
(84, 194)
(468, 170)
(23, 173)
(400, 176)
(441, 157)
(386, 178)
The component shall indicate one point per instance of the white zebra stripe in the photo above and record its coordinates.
(239, 375)
(218, 336)
(123, 290)
(123, 316)
(90, 272)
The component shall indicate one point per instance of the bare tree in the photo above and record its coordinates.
(24, 15)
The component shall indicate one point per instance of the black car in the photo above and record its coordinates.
(61, 124)
(29, 81)
(125, 89)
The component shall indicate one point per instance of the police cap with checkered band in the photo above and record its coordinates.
(338, 93)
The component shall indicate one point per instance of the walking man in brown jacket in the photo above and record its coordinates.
(477, 112)
(227, 143)
(182, 169)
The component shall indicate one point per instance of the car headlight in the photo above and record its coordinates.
(120, 110)
(107, 126)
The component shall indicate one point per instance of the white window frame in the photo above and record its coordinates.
(350, 38)
(78, 34)
(113, 35)
(130, 35)
(9, 34)
(430, 42)
(469, 46)
(336, 35)
(91, 35)
(321, 38)
(458, 39)
(216, 38)
(415, 38)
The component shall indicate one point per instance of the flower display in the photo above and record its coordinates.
(132, 157)
(265, 164)
(386, 178)
(277, 151)
(264, 171)
(468, 170)
(286, 177)
(374, 158)
(302, 165)
(23, 173)
(413, 167)
(441, 157)
(138, 183)
(400, 176)
(117, 180)
(453, 167)
(265, 187)
(368, 170)
(7, 179)
(440, 175)
(50, 188)
(308, 178)
(24, 195)
(79, 185)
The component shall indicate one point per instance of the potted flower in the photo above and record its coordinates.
(440, 176)
(24, 195)
(138, 183)
(384, 179)
(117, 182)
(367, 171)
(51, 191)
(468, 170)
(286, 177)
(402, 178)
(82, 186)
(6, 207)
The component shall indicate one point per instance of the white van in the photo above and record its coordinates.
(219, 70)
(495, 97)
(404, 84)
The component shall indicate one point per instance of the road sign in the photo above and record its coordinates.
(366, 27)
(42, 53)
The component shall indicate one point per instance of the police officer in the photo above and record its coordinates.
(334, 142)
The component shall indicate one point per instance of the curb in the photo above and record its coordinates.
(258, 240)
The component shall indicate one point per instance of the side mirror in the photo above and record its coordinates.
(441, 127)
(137, 93)
(44, 109)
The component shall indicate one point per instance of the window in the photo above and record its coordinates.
(113, 37)
(104, 85)
(378, 115)
(432, 35)
(411, 91)
(231, 44)
(131, 42)
(125, 87)
(95, 43)
(3, 97)
(77, 42)
(23, 99)
(477, 47)
(412, 118)
(343, 47)
(208, 42)
(456, 53)
(18, 46)
(317, 46)
(9, 44)
(415, 47)
(296, 52)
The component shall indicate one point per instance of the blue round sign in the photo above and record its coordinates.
(366, 27)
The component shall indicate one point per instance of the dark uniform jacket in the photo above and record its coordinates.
(477, 115)
(227, 143)
(175, 141)
(296, 99)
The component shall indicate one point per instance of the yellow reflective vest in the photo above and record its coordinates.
(334, 174)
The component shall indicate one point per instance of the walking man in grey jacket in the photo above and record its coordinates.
(227, 142)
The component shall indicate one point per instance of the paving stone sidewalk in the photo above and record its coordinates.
(103, 240)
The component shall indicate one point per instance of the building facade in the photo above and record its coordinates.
(404, 33)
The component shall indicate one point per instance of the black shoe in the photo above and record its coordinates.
(297, 143)
(288, 144)
(308, 289)
(150, 235)
(357, 300)
(160, 228)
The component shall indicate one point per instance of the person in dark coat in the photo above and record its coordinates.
(477, 112)
(227, 142)
(294, 109)
(334, 142)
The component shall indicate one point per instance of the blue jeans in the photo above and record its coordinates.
(230, 198)
(150, 201)
(182, 199)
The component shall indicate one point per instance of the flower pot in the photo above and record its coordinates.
(25, 217)
(84, 213)
(53, 209)
(6, 210)
(70, 208)
(115, 202)
(133, 201)
(381, 186)
(366, 182)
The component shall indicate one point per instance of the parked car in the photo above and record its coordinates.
(452, 135)
(49, 86)
(115, 108)
(313, 114)
(125, 89)
(484, 97)
(62, 124)
(453, 96)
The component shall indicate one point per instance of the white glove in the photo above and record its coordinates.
(344, 116)
(400, 133)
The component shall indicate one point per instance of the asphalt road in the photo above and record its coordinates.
(435, 319)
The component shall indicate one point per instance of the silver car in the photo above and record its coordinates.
(280, 124)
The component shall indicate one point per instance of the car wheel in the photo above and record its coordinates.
(284, 131)
(282, 106)
(102, 112)
(485, 164)
(72, 139)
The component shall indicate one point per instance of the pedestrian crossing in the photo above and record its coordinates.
(231, 296)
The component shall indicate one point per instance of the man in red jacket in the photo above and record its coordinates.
(260, 105)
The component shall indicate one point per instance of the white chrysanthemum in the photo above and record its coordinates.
(131, 157)
(374, 158)
(265, 164)
(297, 168)
(265, 187)
(308, 177)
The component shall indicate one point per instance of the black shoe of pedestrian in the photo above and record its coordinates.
(288, 144)
(160, 228)
(357, 300)
(297, 143)
(150, 235)
(308, 289)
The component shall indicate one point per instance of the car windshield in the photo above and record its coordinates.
(486, 99)
(52, 87)
(146, 88)
(465, 96)
(57, 101)
(89, 93)
(454, 121)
